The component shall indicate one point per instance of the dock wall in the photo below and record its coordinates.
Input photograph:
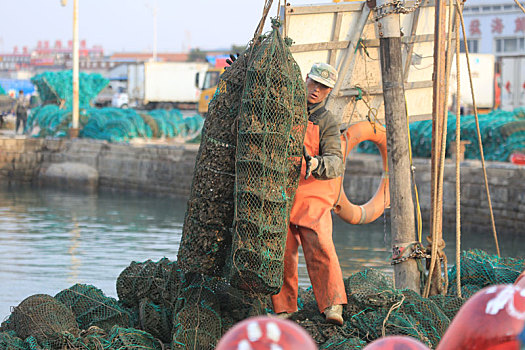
(167, 170)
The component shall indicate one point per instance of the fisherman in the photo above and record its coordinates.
(310, 217)
(20, 109)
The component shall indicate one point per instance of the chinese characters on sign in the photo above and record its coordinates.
(497, 25)
(474, 27)
(520, 25)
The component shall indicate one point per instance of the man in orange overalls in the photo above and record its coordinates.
(310, 217)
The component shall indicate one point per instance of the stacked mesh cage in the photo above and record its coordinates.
(206, 234)
(271, 128)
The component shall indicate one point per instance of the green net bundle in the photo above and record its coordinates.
(9, 340)
(271, 128)
(206, 234)
(502, 133)
(151, 290)
(45, 319)
(2, 91)
(479, 270)
(57, 87)
(207, 307)
(92, 308)
(113, 124)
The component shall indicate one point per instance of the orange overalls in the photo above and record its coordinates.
(311, 226)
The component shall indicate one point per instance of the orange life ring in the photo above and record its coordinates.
(371, 210)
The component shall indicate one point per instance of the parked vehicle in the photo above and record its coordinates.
(105, 97)
(482, 72)
(512, 82)
(164, 85)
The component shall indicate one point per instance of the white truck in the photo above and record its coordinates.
(512, 82)
(482, 69)
(163, 85)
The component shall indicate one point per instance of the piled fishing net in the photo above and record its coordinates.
(129, 338)
(57, 88)
(207, 307)
(2, 91)
(92, 308)
(502, 133)
(45, 319)
(479, 270)
(206, 234)
(271, 128)
(113, 124)
(9, 340)
(151, 290)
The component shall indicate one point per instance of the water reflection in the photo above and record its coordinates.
(52, 239)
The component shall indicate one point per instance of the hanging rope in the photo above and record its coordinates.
(460, 14)
(520, 5)
(458, 178)
(260, 26)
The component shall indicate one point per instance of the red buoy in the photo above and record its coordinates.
(520, 281)
(395, 342)
(491, 319)
(517, 158)
(263, 332)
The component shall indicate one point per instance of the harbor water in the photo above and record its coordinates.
(51, 239)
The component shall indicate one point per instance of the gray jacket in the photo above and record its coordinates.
(330, 155)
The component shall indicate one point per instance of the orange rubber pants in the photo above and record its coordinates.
(323, 269)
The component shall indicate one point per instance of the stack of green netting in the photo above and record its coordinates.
(206, 235)
(271, 128)
(2, 91)
(502, 133)
(113, 124)
(159, 308)
(57, 87)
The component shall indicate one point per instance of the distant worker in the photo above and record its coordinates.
(310, 217)
(20, 109)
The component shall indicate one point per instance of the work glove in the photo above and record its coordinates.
(311, 163)
(232, 59)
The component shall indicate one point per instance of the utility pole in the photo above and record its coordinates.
(406, 274)
(155, 32)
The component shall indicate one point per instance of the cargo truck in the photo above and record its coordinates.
(512, 82)
(163, 85)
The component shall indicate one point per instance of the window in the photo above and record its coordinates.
(507, 7)
(496, 8)
(510, 45)
(486, 8)
(473, 46)
(474, 9)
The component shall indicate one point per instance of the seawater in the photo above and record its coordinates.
(51, 239)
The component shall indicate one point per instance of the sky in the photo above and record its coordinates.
(128, 25)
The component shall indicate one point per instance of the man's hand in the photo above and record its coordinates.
(311, 163)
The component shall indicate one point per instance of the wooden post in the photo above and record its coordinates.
(406, 274)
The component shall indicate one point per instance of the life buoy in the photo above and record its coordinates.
(371, 210)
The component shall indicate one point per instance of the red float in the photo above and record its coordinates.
(396, 342)
(491, 319)
(520, 281)
(517, 158)
(262, 333)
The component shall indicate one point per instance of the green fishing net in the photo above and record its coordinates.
(57, 87)
(271, 128)
(206, 234)
(193, 311)
(502, 133)
(92, 308)
(113, 124)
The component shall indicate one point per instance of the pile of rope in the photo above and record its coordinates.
(502, 133)
(160, 307)
(113, 124)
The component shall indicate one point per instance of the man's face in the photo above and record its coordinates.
(316, 92)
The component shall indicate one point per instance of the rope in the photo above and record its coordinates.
(437, 215)
(260, 26)
(520, 5)
(479, 134)
(458, 187)
(413, 175)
